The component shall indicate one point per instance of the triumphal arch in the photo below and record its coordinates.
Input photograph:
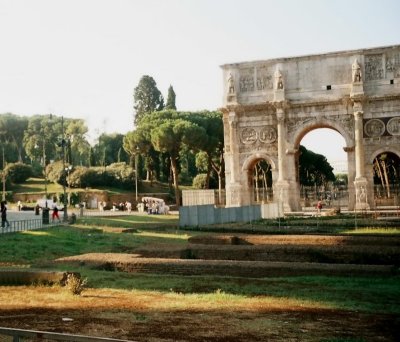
(270, 105)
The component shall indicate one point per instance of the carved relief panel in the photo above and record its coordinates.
(374, 67)
(374, 128)
(264, 79)
(246, 80)
(389, 126)
(393, 126)
(393, 64)
(258, 138)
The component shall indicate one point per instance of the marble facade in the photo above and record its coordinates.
(270, 105)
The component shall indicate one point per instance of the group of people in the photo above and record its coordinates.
(155, 206)
(122, 206)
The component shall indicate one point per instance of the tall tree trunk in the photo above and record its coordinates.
(175, 176)
(386, 178)
(209, 169)
(380, 176)
(219, 171)
(256, 183)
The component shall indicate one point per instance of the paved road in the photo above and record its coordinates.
(13, 215)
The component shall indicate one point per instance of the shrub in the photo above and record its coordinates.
(199, 182)
(74, 198)
(18, 172)
(55, 172)
(118, 175)
(76, 178)
(75, 284)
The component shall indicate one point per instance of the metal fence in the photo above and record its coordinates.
(333, 196)
(30, 224)
(95, 212)
(21, 335)
(387, 196)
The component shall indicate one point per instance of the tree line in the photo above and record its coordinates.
(175, 146)
(167, 145)
(36, 140)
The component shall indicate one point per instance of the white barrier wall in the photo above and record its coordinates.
(197, 197)
(199, 215)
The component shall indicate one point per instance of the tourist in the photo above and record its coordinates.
(3, 209)
(55, 214)
(319, 206)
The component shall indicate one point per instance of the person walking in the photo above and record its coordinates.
(3, 209)
(319, 206)
(55, 214)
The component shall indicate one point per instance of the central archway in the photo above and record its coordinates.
(344, 197)
(322, 169)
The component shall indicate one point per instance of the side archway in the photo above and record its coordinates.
(260, 172)
(384, 166)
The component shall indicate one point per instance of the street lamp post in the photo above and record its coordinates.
(4, 179)
(67, 172)
(65, 178)
(136, 178)
(44, 170)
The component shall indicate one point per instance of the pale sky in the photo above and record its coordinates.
(83, 58)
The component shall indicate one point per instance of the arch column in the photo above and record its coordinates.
(351, 173)
(283, 192)
(234, 190)
(362, 193)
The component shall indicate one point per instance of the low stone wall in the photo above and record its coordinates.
(14, 277)
(234, 268)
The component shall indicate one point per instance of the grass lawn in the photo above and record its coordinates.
(158, 307)
(37, 185)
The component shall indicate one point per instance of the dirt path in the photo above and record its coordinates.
(123, 315)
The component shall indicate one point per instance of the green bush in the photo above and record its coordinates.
(55, 172)
(18, 172)
(199, 182)
(118, 175)
(77, 178)
(74, 198)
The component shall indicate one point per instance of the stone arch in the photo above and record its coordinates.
(342, 127)
(249, 162)
(321, 123)
(386, 191)
(247, 173)
(377, 152)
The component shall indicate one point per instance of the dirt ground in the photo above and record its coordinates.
(119, 314)
(162, 317)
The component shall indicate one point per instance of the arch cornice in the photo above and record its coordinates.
(240, 108)
(345, 101)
